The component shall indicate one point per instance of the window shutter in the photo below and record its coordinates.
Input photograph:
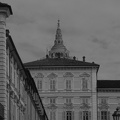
(80, 115)
(108, 115)
(89, 115)
(98, 115)
(63, 115)
(72, 115)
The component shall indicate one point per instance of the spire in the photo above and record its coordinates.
(58, 50)
(58, 24)
(58, 38)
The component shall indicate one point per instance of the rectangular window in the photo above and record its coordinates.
(39, 84)
(68, 84)
(52, 85)
(85, 100)
(68, 100)
(52, 101)
(84, 84)
(85, 115)
(69, 115)
(104, 115)
(103, 100)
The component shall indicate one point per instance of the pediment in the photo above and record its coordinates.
(68, 74)
(103, 106)
(52, 75)
(85, 106)
(84, 75)
(39, 75)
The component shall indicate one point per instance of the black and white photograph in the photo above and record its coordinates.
(59, 59)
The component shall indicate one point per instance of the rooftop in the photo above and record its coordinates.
(60, 62)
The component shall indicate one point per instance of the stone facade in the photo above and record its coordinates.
(69, 87)
(71, 91)
(18, 92)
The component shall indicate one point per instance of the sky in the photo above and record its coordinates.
(90, 28)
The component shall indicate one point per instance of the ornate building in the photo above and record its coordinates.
(19, 97)
(70, 89)
(66, 85)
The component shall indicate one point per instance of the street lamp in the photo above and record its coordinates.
(116, 114)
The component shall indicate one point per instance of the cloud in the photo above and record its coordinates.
(103, 43)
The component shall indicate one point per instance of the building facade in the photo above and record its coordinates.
(18, 93)
(70, 89)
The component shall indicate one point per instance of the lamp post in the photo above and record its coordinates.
(116, 114)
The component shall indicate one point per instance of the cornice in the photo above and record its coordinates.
(108, 90)
(60, 67)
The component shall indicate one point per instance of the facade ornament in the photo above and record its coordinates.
(12, 94)
(39, 75)
(52, 75)
(68, 74)
(103, 106)
(84, 75)
(68, 106)
(85, 106)
(52, 106)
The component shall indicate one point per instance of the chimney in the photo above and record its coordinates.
(74, 58)
(83, 58)
(47, 56)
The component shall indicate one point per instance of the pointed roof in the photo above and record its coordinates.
(58, 48)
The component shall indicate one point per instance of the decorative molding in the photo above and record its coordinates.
(39, 75)
(12, 94)
(52, 106)
(52, 75)
(84, 106)
(60, 68)
(103, 106)
(108, 90)
(84, 75)
(68, 106)
(68, 74)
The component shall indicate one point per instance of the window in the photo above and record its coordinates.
(85, 100)
(68, 100)
(52, 100)
(104, 115)
(103, 100)
(84, 83)
(52, 85)
(85, 115)
(68, 115)
(52, 115)
(39, 84)
(68, 84)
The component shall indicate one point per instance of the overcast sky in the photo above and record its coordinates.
(90, 28)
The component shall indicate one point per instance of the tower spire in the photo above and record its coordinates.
(58, 38)
(58, 50)
(58, 24)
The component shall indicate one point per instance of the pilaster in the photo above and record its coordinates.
(5, 11)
